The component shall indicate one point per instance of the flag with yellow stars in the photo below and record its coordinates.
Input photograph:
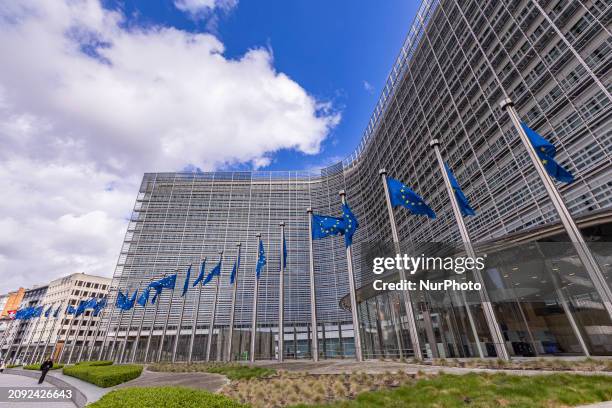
(323, 226)
(402, 195)
(350, 224)
(464, 204)
(546, 152)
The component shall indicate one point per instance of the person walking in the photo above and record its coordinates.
(2, 366)
(45, 367)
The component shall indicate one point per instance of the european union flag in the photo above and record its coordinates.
(56, 313)
(144, 297)
(216, 271)
(201, 275)
(101, 304)
(121, 299)
(464, 204)
(70, 310)
(350, 224)
(235, 268)
(48, 312)
(167, 282)
(546, 151)
(261, 259)
(186, 284)
(402, 195)
(284, 252)
(324, 226)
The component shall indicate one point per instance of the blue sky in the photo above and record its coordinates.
(331, 48)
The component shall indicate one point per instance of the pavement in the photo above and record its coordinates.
(203, 381)
(18, 381)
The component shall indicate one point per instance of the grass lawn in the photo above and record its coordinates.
(232, 371)
(487, 390)
(104, 375)
(163, 397)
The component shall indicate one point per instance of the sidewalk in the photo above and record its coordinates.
(92, 392)
(18, 381)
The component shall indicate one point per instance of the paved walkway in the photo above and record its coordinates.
(17, 381)
(203, 381)
(92, 392)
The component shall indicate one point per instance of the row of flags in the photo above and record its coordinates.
(31, 312)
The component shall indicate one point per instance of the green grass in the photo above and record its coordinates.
(95, 363)
(488, 390)
(13, 365)
(37, 367)
(232, 371)
(163, 397)
(104, 376)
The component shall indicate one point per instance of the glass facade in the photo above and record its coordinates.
(459, 60)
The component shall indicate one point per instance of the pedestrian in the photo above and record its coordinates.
(2, 366)
(45, 367)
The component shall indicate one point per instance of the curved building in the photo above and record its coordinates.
(459, 60)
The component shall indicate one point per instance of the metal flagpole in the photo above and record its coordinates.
(163, 336)
(146, 355)
(129, 326)
(110, 316)
(233, 309)
(196, 312)
(137, 339)
(281, 298)
(314, 338)
(8, 351)
(25, 354)
(52, 330)
(42, 331)
(65, 344)
(76, 337)
(351, 278)
(572, 230)
(180, 324)
(92, 342)
(5, 338)
(412, 328)
(85, 336)
(489, 313)
(211, 328)
(254, 317)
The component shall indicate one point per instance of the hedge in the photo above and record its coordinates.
(104, 376)
(95, 363)
(163, 397)
(37, 367)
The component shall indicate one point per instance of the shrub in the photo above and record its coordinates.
(104, 376)
(96, 363)
(13, 365)
(233, 371)
(163, 397)
(37, 367)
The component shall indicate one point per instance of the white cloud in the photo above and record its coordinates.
(368, 87)
(203, 7)
(86, 104)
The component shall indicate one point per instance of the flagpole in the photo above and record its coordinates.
(138, 333)
(25, 354)
(196, 312)
(110, 316)
(8, 351)
(233, 309)
(281, 298)
(584, 254)
(85, 336)
(180, 324)
(414, 333)
(489, 313)
(313, 297)
(146, 355)
(76, 336)
(255, 293)
(129, 326)
(213, 315)
(92, 343)
(35, 352)
(52, 330)
(5, 338)
(163, 336)
(351, 277)
(65, 344)
(111, 354)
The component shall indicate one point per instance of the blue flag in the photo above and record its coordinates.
(464, 204)
(216, 271)
(284, 252)
(70, 310)
(120, 299)
(261, 259)
(38, 311)
(56, 313)
(130, 303)
(186, 284)
(402, 195)
(48, 312)
(235, 268)
(324, 226)
(350, 224)
(167, 282)
(144, 297)
(100, 304)
(546, 151)
(201, 275)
